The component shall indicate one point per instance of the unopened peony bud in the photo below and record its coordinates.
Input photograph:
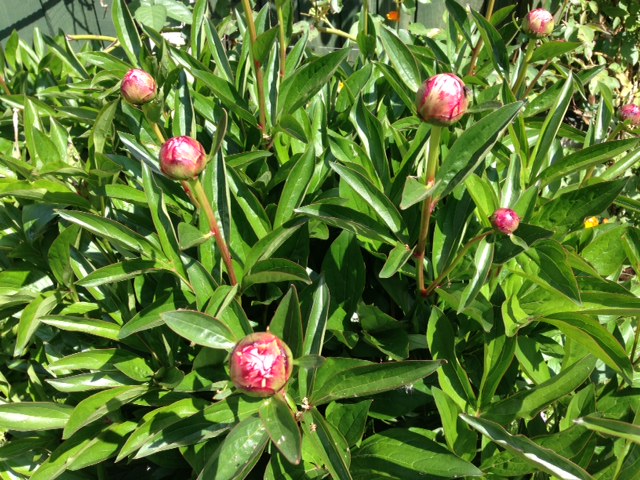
(138, 87)
(630, 113)
(538, 23)
(505, 220)
(261, 364)
(182, 158)
(442, 99)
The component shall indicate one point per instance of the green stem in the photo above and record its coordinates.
(537, 77)
(257, 67)
(476, 51)
(635, 344)
(427, 204)
(283, 42)
(455, 262)
(523, 68)
(339, 33)
(201, 196)
(102, 38)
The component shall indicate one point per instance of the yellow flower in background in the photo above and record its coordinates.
(393, 16)
(591, 222)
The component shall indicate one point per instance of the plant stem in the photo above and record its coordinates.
(635, 344)
(427, 204)
(523, 68)
(537, 77)
(283, 40)
(257, 67)
(455, 262)
(201, 196)
(339, 33)
(4, 85)
(103, 38)
(476, 51)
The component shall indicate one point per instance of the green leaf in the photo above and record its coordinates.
(88, 447)
(550, 128)
(551, 50)
(282, 428)
(471, 148)
(30, 319)
(550, 264)
(100, 404)
(452, 378)
(34, 416)
(200, 328)
(585, 158)
(542, 458)
(370, 379)
(606, 252)
(460, 439)
(239, 451)
(344, 270)
(296, 186)
(527, 403)
(190, 236)
(483, 261)
(611, 427)
(126, 31)
(347, 219)
(493, 40)
(114, 231)
(152, 16)
(213, 421)
(298, 88)
(119, 272)
(397, 258)
(372, 135)
(227, 93)
(414, 191)
(90, 326)
(184, 119)
(568, 210)
(589, 332)
(287, 322)
(328, 442)
(275, 270)
(104, 126)
(408, 453)
(350, 419)
(263, 44)
(375, 198)
(315, 329)
(402, 59)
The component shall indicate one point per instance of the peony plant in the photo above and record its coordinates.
(294, 262)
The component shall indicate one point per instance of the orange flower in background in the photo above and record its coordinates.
(591, 222)
(393, 16)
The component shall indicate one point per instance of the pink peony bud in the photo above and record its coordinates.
(630, 113)
(442, 99)
(505, 220)
(182, 158)
(538, 23)
(261, 364)
(138, 87)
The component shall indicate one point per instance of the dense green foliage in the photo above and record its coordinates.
(518, 358)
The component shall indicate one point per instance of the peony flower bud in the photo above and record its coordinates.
(138, 87)
(505, 220)
(538, 23)
(630, 113)
(442, 99)
(182, 158)
(261, 364)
